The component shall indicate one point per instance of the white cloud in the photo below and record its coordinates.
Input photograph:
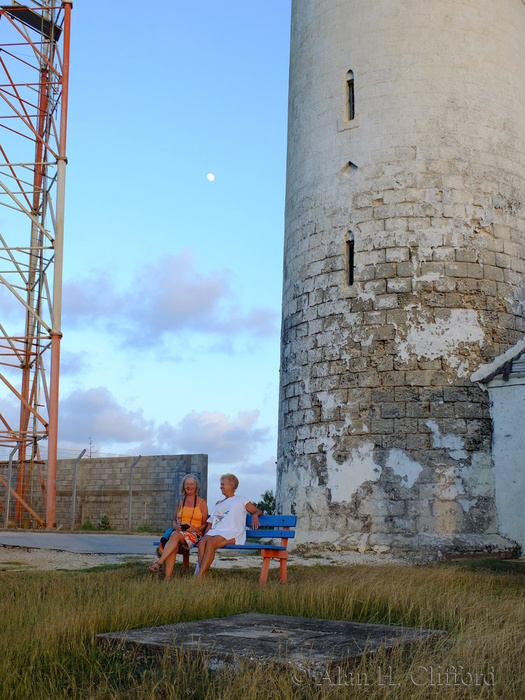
(92, 298)
(72, 363)
(223, 439)
(165, 298)
(95, 414)
(9, 409)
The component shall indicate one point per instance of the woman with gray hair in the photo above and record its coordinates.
(226, 524)
(191, 513)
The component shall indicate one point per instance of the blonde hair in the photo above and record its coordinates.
(232, 479)
(197, 485)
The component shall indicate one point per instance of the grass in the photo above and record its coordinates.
(49, 622)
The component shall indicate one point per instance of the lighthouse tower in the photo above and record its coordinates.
(404, 267)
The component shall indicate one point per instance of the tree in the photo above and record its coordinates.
(267, 503)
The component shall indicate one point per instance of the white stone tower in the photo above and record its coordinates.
(403, 266)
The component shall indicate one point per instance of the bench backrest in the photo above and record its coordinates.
(279, 526)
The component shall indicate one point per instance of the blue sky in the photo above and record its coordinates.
(172, 283)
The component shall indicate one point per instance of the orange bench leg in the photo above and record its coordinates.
(264, 571)
(185, 557)
(268, 555)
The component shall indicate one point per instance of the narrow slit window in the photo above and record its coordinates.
(350, 259)
(350, 96)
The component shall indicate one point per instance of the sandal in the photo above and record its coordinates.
(155, 568)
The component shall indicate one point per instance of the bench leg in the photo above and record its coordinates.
(264, 571)
(185, 557)
(268, 555)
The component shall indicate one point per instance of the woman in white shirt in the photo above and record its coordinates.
(226, 524)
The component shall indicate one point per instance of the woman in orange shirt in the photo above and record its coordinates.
(191, 513)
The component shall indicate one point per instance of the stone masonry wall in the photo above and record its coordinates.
(384, 443)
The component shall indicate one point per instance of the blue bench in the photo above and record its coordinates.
(270, 526)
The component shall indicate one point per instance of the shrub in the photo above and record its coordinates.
(103, 523)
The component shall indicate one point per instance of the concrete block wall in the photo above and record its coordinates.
(102, 488)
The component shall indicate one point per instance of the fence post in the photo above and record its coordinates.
(8, 494)
(130, 488)
(74, 494)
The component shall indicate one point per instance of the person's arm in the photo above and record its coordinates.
(204, 512)
(255, 514)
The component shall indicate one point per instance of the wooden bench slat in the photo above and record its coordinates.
(254, 546)
(274, 520)
(270, 534)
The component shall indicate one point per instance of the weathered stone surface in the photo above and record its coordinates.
(434, 210)
(260, 638)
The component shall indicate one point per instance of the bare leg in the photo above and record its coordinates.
(202, 545)
(170, 564)
(207, 548)
(170, 552)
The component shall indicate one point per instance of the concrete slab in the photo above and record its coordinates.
(302, 642)
(85, 543)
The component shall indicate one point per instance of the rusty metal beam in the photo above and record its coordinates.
(33, 125)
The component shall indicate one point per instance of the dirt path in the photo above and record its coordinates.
(26, 559)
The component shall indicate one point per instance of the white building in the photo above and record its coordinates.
(505, 382)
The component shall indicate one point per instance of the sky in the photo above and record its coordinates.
(174, 230)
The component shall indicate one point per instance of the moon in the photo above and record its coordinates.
(210, 177)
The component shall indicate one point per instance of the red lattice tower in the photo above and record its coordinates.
(34, 68)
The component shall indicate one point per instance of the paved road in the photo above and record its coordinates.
(85, 543)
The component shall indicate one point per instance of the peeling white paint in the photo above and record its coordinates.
(466, 503)
(441, 338)
(404, 467)
(345, 479)
(429, 277)
(366, 296)
(362, 429)
(453, 443)
(462, 368)
(327, 399)
(465, 483)
(449, 484)
(479, 474)
(454, 488)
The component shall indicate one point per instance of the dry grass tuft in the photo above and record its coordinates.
(49, 623)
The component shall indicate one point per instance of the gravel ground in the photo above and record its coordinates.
(26, 559)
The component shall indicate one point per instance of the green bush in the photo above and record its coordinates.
(103, 523)
(87, 526)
